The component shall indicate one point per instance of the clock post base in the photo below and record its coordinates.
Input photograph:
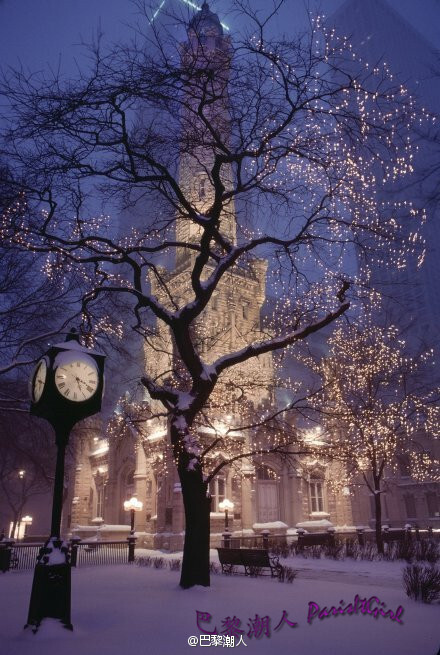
(51, 589)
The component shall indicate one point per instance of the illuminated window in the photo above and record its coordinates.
(316, 497)
(217, 488)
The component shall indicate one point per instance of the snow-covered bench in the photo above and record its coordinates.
(252, 559)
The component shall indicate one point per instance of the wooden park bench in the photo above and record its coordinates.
(315, 539)
(252, 559)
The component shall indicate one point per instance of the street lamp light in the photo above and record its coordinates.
(226, 506)
(133, 505)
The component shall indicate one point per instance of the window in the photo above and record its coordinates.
(217, 489)
(410, 506)
(404, 468)
(432, 503)
(316, 497)
(202, 188)
(129, 485)
(266, 473)
(100, 491)
(245, 313)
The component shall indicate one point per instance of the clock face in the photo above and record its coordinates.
(77, 380)
(39, 380)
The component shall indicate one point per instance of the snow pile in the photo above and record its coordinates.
(323, 524)
(273, 525)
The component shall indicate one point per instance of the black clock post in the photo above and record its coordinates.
(66, 387)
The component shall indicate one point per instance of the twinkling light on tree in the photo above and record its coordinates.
(378, 405)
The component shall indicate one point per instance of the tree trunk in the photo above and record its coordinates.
(14, 527)
(378, 516)
(195, 563)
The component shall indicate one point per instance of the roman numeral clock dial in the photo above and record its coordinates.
(77, 380)
(38, 380)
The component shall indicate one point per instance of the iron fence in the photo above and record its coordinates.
(19, 557)
(97, 553)
(349, 539)
(22, 557)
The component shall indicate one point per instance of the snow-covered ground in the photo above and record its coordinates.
(142, 610)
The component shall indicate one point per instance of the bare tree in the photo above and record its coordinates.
(238, 156)
(26, 463)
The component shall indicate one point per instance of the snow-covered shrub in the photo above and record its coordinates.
(175, 564)
(335, 551)
(427, 551)
(281, 549)
(422, 582)
(214, 568)
(289, 574)
(144, 560)
(369, 552)
(158, 562)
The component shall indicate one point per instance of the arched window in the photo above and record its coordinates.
(129, 485)
(265, 473)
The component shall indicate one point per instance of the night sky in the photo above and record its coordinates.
(42, 33)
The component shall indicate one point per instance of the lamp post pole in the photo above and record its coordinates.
(57, 501)
(226, 506)
(133, 505)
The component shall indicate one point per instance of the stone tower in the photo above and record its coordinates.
(233, 317)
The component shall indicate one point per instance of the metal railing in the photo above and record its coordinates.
(18, 557)
(361, 537)
(22, 557)
(93, 553)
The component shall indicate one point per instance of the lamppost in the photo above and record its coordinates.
(226, 506)
(66, 387)
(133, 505)
(17, 532)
